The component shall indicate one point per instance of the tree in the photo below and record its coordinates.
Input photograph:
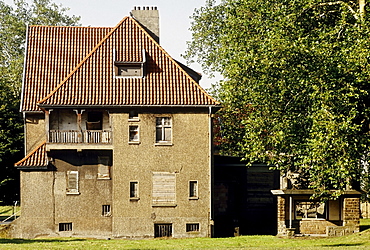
(298, 71)
(13, 25)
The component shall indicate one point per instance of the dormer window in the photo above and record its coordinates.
(129, 69)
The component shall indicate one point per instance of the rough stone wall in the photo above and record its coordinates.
(187, 156)
(314, 226)
(281, 215)
(34, 131)
(351, 212)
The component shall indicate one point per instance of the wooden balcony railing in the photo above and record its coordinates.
(85, 136)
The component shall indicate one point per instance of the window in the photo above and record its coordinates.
(162, 230)
(72, 182)
(134, 189)
(163, 130)
(65, 226)
(309, 210)
(134, 133)
(103, 167)
(133, 115)
(125, 69)
(164, 188)
(193, 189)
(106, 210)
(192, 227)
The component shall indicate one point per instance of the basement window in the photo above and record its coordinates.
(162, 230)
(192, 227)
(106, 210)
(65, 226)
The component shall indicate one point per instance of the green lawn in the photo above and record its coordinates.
(357, 241)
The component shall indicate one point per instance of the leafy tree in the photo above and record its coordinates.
(296, 88)
(13, 24)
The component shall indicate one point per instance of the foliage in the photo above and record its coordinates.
(297, 75)
(14, 20)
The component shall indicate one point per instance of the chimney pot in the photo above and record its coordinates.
(149, 18)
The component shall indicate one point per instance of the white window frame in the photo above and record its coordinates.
(193, 195)
(163, 126)
(130, 140)
(69, 188)
(133, 191)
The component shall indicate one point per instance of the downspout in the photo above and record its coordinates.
(211, 173)
(290, 211)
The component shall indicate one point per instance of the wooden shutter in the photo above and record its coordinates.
(72, 182)
(164, 187)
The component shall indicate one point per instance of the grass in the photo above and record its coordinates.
(356, 241)
(6, 211)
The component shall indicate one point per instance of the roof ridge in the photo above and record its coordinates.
(69, 27)
(30, 154)
(82, 62)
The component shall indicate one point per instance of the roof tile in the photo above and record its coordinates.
(70, 66)
(37, 158)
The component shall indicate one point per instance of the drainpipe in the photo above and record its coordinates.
(290, 211)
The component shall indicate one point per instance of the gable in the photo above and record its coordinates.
(92, 81)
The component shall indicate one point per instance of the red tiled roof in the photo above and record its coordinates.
(52, 52)
(74, 67)
(37, 158)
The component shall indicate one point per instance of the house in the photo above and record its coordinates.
(298, 213)
(118, 135)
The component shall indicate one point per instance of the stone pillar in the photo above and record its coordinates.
(281, 215)
(351, 213)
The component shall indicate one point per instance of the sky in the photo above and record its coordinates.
(174, 18)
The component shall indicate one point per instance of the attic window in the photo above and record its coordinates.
(129, 69)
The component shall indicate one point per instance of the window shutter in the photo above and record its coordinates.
(164, 187)
(72, 182)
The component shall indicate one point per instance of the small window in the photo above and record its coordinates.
(134, 134)
(133, 115)
(193, 189)
(65, 226)
(162, 230)
(309, 210)
(72, 182)
(123, 69)
(103, 167)
(134, 189)
(192, 227)
(106, 210)
(163, 130)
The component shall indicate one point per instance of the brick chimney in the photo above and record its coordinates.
(149, 18)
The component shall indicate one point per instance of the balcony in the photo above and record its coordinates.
(83, 139)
